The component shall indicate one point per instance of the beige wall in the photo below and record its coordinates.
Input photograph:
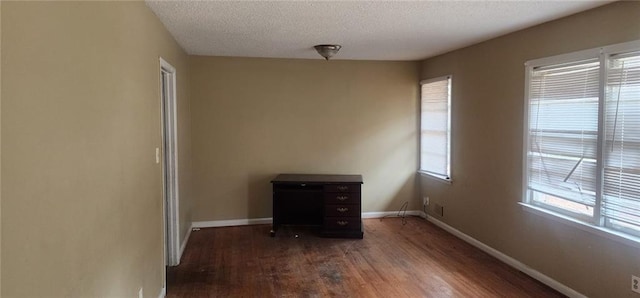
(0, 150)
(82, 202)
(487, 125)
(254, 118)
(81, 198)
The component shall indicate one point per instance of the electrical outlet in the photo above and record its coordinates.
(140, 293)
(425, 201)
(635, 284)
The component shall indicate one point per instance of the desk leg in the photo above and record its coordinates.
(276, 215)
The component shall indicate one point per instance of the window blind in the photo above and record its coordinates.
(583, 136)
(434, 124)
(563, 135)
(621, 189)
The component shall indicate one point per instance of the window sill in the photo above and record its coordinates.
(600, 231)
(436, 177)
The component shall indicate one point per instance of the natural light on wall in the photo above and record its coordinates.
(583, 144)
(435, 124)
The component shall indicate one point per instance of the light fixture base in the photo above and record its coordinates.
(327, 50)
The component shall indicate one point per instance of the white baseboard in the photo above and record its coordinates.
(163, 293)
(389, 214)
(508, 260)
(231, 222)
(268, 220)
(184, 242)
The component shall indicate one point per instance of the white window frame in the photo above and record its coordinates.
(443, 178)
(596, 223)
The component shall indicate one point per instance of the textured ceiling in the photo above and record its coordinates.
(367, 30)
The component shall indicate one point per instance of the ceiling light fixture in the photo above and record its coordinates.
(327, 50)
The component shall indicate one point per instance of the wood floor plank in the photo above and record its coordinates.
(416, 259)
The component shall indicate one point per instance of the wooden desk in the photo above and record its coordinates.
(332, 202)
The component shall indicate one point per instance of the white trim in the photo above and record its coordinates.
(186, 239)
(166, 65)
(163, 292)
(600, 141)
(269, 220)
(622, 47)
(172, 207)
(567, 58)
(508, 260)
(437, 177)
(525, 134)
(232, 222)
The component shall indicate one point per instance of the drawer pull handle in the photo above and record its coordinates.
(342, 198)
(343, 188)
(342, 209)
(342, 222)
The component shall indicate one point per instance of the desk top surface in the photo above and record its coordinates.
(317, 178)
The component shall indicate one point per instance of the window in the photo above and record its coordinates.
(435, 124)
(583, 136)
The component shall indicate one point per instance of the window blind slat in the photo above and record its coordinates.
(621, 189)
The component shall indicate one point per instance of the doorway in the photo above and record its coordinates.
(170, 164)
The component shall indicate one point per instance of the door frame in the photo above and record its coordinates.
(169, 157)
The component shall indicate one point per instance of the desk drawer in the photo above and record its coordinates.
(337, 198)
(342, 223)
(342, 188)
(342, 210)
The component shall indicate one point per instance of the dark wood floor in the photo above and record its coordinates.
(393, 260)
